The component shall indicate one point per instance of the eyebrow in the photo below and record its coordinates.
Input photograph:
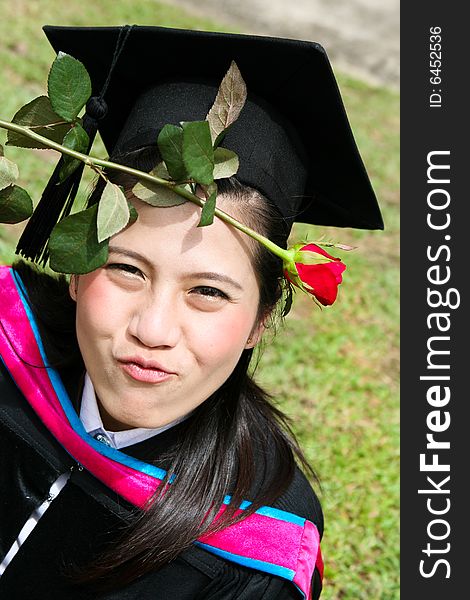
(130, 254)
(211, 276)
(217, 277)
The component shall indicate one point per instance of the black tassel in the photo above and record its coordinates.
(57, 198)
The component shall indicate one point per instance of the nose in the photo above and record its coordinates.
(155, 321)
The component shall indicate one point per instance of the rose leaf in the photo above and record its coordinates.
(8, 172)
(226, 163)
(69, 86)
(74, 246)
(170, 144)
(113, 212)
(38, 114)
(15, 205)
(76, 139)
(228, 103)
(208, 210)
(157, 195)
(198, 154)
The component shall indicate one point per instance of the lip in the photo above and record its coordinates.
(147, 371)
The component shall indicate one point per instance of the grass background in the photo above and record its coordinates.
(335, 372)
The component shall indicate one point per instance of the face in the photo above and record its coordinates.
(162, 325)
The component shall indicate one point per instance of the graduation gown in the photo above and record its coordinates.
(87, 516)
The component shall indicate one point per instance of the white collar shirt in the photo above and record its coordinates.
(93, 424)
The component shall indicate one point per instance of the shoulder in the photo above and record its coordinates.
(289, 525)
(276, 468)
(47, 302)
(300, 499)
(231, 581)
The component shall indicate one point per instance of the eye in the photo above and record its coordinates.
(209, 292)
(125, 268)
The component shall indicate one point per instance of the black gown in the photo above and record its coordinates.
(86, 516)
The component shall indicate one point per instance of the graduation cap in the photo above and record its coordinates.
(292, 137)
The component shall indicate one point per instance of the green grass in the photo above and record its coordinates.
(335, 372)
(340, 375)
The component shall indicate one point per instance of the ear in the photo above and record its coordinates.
(256, 334)
(73, 287)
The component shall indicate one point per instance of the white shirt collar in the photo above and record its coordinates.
(91, 419)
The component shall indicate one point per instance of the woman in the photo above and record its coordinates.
(165, 330)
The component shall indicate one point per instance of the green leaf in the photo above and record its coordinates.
(170, 144)
(68, 86)
(226, 163)
(132, 213)
(207, 214)
(76, 139)
(198, 154)
(311, 258)
(37, 114)
(219, 139)
(287, 303)
(113, 212)
(74, 246)
(228, 103)
(161, 171)
(15, 205)
(8, 172)
(157, 195)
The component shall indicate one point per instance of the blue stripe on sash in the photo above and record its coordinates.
(274, 513)
(260, 565)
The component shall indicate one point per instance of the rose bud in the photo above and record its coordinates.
(316, 272)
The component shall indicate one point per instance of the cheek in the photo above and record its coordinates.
(94, 315)
(225, 340)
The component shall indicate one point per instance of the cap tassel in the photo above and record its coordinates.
(57, 198)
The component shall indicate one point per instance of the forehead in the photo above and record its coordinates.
(172, 234)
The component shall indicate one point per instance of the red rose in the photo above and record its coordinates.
(315, 275)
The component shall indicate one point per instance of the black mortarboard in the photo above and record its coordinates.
(293, 137)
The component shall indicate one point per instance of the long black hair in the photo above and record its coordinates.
(230, 439)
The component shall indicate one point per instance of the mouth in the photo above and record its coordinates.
(145, 371)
